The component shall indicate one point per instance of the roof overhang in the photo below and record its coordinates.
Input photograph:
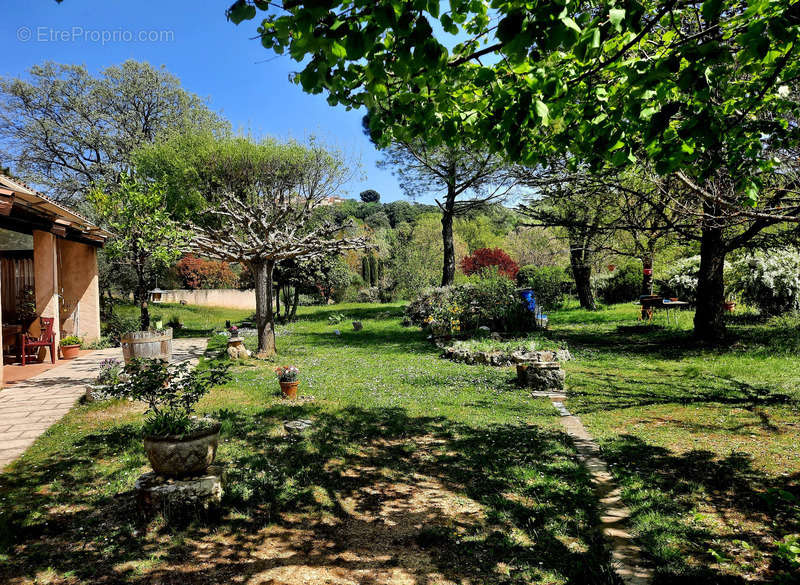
(25, 208)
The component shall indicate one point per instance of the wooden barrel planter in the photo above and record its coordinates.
(147, 344)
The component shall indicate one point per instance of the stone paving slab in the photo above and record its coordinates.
(30, 407)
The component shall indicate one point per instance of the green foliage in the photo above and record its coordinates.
(72, 129)
(370, 196)
(531, 342)
(170, 391)
(529, 80)
(144, 232)
(622, 285)
(549, 284)
(118, 325)
(489, 299)
(70, 340)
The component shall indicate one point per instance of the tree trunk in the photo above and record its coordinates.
(582, 273)
(647, 273)
(449, 268)
(265, 315)
(295, 301)
(277, 287)
(709, 325)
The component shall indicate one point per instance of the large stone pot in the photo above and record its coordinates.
(179, 456)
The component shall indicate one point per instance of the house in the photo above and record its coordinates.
(48, 266)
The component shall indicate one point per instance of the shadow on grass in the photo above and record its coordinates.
(664, 490)
(371, 494)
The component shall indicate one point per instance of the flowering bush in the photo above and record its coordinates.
(287, 373)
(770, 281)
(490, 300)
(487, 257)
(201, 273)
(680, 279)
(110, 370)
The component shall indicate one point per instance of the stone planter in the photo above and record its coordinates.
(289, 390)
(541, 376)
(179, 456)
(69, 352)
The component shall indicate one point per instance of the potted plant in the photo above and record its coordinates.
(287, 376)
(234, 331)
(177, 442)
(70, 347)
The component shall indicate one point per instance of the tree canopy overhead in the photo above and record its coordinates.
(67, 130)
(688, 85)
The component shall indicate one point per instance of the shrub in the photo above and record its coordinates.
(770, 282)
(549, 284)
(201, 273)
(680, 279)
(622, 285)
(171, 392)
(491, 300)
(119, 325)
(368, 295)
(483, 258)
(70, 340)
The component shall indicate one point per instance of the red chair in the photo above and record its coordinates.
(47, 338)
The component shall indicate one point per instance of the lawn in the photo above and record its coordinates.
(422, 470)
(704, 442)
(417, 470)
(197, 321)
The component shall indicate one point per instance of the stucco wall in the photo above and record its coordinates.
(80, 293)
(214, 297)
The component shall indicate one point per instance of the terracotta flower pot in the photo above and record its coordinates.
(289, 390)
(729, 305)
(69, 352)
(179, 456)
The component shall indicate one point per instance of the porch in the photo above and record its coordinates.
(48, 268)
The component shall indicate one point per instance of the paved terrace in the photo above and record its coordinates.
(29, 407)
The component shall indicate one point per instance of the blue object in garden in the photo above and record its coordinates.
(529, 298)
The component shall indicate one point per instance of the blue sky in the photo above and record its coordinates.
(212, 57)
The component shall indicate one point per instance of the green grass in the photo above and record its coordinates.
(704, 441)
(532, 342)
(416, 467)
(197, 321)
(475, 479)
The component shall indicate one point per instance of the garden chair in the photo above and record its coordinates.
(47, 338)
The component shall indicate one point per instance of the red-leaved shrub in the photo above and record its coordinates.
(201, 273)
(486, 257)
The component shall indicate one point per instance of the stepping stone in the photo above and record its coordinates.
(297, 427)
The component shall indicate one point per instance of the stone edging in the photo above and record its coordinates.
(614, 515)
(500, 359)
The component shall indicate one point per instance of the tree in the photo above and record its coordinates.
(576, 202)
(532, 80)
(486, 258)
(696, 89)
(464, 179)
(370, 196)
(257, 204)
(66, 130)
(146, 237)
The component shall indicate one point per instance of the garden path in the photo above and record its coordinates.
(30, 407)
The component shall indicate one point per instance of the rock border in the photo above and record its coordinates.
(502, 359)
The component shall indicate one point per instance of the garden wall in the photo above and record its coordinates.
(229, 298)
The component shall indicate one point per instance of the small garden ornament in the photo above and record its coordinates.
(287, 376)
